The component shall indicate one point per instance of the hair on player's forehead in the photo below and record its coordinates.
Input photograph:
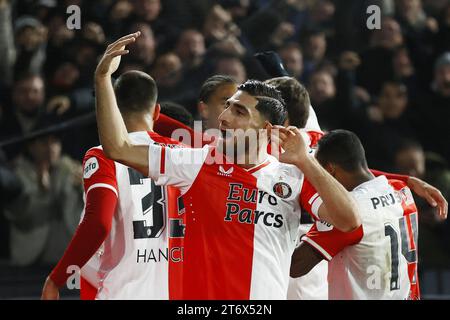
(136, 91)
(212, 84)
(296, 99)
(342, 148)
(270, 100)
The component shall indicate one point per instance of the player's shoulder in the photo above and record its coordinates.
(285, 170)
(397, 184)
(377, 186)
(96, 152)
(95, 160)
(161, 140)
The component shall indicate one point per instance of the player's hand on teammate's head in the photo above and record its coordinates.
(50, 290)
(110, 61)
(433, 196)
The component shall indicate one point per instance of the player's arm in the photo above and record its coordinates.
(304, 259)
(424, 190)
(100, 187)
(111, 127)
(322, 241)
(90, 234)
(337, 207)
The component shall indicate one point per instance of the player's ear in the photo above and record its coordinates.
(157, 112)
(202, 109)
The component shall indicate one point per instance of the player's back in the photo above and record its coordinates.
(383, 265)
(133, 262)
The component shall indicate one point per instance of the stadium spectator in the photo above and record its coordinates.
(292, 57)
(46, 213)
(435, 107)
(10, 188)
(27, 103)
(231, 66)
(314, 48)
(411, 159)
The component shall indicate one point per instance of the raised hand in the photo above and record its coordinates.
(293, 143)
(110, 61)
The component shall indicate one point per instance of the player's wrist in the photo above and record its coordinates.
(303, 160)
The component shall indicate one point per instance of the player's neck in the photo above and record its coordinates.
(252, 159)
(136, 122)
(359, 177)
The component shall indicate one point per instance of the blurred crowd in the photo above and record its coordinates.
(391, 86)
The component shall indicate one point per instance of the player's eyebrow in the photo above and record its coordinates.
(241, 107)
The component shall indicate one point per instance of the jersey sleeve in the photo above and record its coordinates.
(329, 241)
(99, 171)
(178, 167)
(310, 200)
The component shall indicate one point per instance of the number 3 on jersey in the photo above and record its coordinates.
(152, 202)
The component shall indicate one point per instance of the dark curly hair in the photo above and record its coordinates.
(270, 100)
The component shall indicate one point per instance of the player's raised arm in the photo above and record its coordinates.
(338, 207)
(111, 127)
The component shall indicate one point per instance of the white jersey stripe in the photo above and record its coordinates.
(102, 185)
(318, 247)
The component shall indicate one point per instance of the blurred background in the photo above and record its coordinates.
(391, 86)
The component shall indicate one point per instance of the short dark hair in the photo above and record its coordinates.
(270, 100)
(343, 148)
(212, 83)
(178, 112)
(296, 98)
(135, 91)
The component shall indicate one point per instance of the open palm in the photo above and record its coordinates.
(110, 61)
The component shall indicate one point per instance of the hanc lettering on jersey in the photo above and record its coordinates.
(91, 166)
(236, 209)
(174, 254)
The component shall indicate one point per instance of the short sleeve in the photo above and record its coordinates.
(177, 167)
(310, 200)
(329, 241)
(99, 171)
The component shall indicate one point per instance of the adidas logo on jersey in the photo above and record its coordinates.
(225, 173)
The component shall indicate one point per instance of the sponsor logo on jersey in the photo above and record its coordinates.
(225, 173)
(282, 189)
(323, 226)
(237, 210)
(90, 167)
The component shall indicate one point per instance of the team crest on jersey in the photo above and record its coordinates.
(90, 167)
(225, 173)
(282, 189)
(406, 196)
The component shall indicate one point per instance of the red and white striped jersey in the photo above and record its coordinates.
(314, 285)
(241, 224)
(378, 260)
(146, 238)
